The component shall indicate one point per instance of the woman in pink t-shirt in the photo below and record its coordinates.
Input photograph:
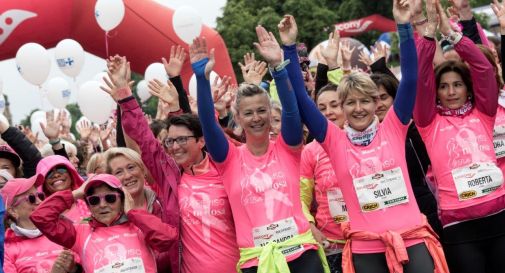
(455, 113)
(386, 232)
(261, 177)
(318, 180)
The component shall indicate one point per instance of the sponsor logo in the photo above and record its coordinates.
(272, 226)
(117, 265)
(467, 194)
(370, 206)
(474, 166)
(340, 218)
(378, 176)
(10, 19)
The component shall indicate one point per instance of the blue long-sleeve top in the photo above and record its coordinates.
(216, 141)
(404, 101)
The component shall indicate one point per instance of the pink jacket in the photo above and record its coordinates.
(25, 255)
(162, 167)
(141, 232)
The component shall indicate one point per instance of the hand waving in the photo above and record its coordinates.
(167, 93)
(174, 65)
(198, 51)
(268, 47)
(119, 74)
(401, 11)
(288, 30)
(499, 11)
(330, 52)
(52, 128)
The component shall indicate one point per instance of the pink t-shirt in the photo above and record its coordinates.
(375, 182)
(121, 247)
(77, 212)
(455, 146)
(499, 137)
(207, 230)
(30, 255)
(264, 194)
(331, 209)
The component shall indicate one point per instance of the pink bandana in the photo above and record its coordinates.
(460, 112)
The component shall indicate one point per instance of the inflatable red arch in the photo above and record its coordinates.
(144, 36)
(359, 26)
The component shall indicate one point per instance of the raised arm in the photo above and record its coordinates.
(46, 217)
(173, 68)
(202, 63)
(406, 94)
(309, 113)
(291, 128)
(425, 104)
(499, 11)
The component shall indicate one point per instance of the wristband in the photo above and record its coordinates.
(55, 142)
(280, 66)
(453, 37)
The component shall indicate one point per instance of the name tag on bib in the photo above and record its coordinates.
(278, 232)
(132, 265)
(499, 141)
(338, 209)
(476, 180)
(381, 190)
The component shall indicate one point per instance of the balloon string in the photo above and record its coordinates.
(106, 45)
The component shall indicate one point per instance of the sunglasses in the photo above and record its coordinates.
(32, 198)
(110, 198)
(60, 170)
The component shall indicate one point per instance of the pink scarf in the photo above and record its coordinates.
(460, 112)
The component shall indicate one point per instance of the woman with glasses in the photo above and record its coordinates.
(120, 235)
(58, 174)
(26, 248)
(207, 231)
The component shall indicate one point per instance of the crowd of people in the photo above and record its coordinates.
(333, 170)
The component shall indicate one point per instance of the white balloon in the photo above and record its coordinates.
(99, 78)
(36, 118)
(3, 119)
(58, 92)
(143, 91)
(156, 71)
(192, 83)
(38, 115)
(33, 63)
(69, 57)
(94, 103)
(109, 13)
(187, 23)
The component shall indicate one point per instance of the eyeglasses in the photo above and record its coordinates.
(182, 140)
(32, 198)
(110, 198)
(60, 170)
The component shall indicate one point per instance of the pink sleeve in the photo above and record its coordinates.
(9, 266)
(485, 88)
(153, 154)
(425, 107)
(46, 218)
(306, 166)
(158, 235)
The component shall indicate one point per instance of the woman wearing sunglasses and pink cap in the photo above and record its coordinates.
(119, 235)
(26, 248)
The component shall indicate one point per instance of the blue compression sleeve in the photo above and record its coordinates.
(315, 121)
(406, 95)
(215, 140)
(291, 126)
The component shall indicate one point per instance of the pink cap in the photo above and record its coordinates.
(16, 187)
(98, 179)
(7, 152)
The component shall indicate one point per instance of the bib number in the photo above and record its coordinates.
(338, 209)
(499, 141)
(476, 180)
(381, 190)
(132, 265)
(278, 232)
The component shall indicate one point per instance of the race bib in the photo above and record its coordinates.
(381, 190)
(499, 141)
(132, 265)
(338, 209)
(278, 232)
(477, 180)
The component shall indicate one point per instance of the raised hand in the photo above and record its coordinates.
(499, 11)
(167, 93)
(28, 133)
(119, 73)
(444, 25)
(432, 15)
(174, 65)
(254, 72)
(268, 47)
(330, 51)
(220, 87)
(347, 52)
(249, 58)
(52, 127)
(198, 51)
(193, 105)
(105, 131)
(365, 58)
(401, 11)
(461, 9)
(85, 130)
(288, 30)
(129, 203)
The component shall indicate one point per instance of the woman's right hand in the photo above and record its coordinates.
(268, 47)
(198, 51)
(318, 235)
(499, 11)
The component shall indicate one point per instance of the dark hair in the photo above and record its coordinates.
(190, 121)
(157, 126)
(91, 191)
(457, 67)
(490, 57)
(389, 83)
(326, 88)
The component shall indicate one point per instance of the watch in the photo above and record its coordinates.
(280, 66)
